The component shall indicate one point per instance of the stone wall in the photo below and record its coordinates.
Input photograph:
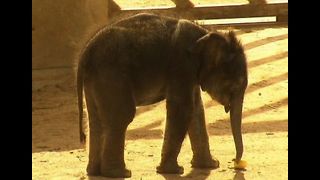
(60, 28)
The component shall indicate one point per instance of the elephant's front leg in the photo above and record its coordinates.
(199, 137)
(179, 115)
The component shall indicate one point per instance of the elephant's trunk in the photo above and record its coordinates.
(236, 118)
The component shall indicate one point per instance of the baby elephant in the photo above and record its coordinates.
(147, 58)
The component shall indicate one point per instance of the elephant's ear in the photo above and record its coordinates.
(234, 44)
(232, 36)
(201, 43)
(210, 48)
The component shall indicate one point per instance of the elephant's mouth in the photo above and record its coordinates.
(223, 101)
(227, 108)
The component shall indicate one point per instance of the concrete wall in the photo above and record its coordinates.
(60, 29)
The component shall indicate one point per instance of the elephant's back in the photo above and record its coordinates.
(146, 22)
(137, 46)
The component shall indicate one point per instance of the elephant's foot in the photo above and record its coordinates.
(93, 170)
(170, 168)
(116, 172)
(205, 163)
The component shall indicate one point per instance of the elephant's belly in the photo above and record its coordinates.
(146, 95)
(149, 79)
(148, 101)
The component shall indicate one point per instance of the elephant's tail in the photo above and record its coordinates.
(80, 100)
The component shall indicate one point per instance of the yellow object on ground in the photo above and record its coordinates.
(240, 165)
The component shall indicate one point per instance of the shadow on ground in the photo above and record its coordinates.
(195, 174)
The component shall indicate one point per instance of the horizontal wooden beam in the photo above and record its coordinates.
(246, 25)
(216, 12)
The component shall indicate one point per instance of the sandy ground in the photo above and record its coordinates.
(57, 153)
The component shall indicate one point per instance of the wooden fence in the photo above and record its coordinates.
(186, 9)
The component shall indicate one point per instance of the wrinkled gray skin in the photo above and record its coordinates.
(145, 59)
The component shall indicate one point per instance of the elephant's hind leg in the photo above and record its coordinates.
(116, 110)
(93, 167)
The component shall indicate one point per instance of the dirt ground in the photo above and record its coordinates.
(57, 153)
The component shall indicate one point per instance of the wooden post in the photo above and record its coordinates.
(112, 8)
(282, 18)
(183, 4)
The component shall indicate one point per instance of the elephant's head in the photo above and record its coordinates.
(223, 75)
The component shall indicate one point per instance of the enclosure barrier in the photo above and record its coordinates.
(186, 9)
